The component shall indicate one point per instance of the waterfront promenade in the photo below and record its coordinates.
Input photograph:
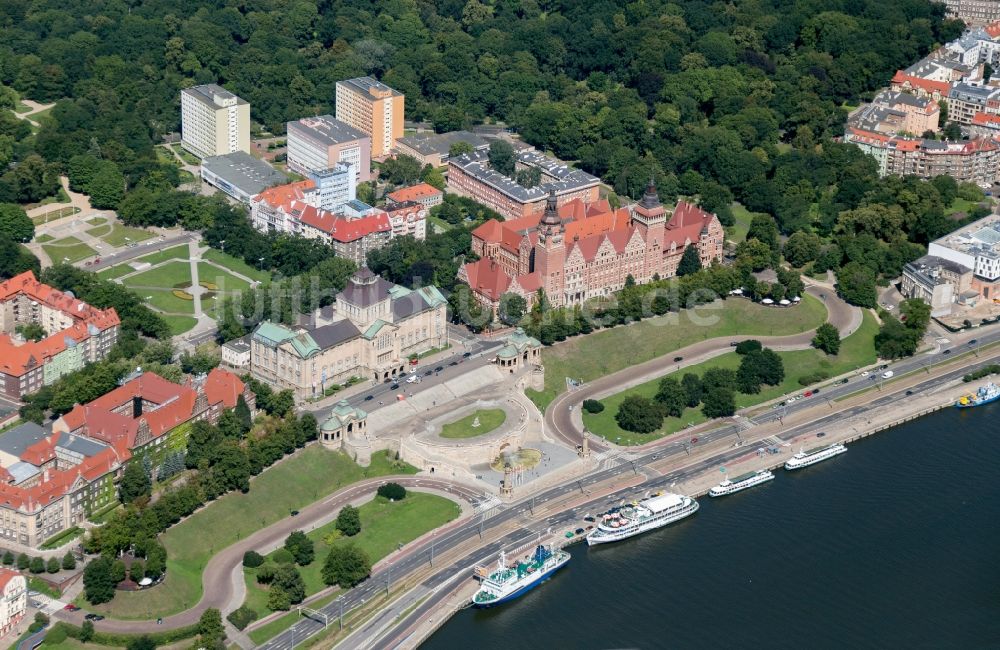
(673, 466)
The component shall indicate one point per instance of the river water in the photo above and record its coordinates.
(895, 544)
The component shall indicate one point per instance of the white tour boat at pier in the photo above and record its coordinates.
(813, 456)
(638, 517)
(742, 482)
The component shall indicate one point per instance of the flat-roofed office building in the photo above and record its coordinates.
(316, 144)
(214, 121)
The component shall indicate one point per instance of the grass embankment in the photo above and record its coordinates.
(741, 218)
(173, 253)
(588, 357)
(384, 526)
(856, 350)
(235, 264)
(221, 278)
(489, 420)
(312, 473)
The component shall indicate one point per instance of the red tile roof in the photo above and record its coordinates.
(488, 278)
(6, 575)
(986, 119)
(993, 29)
(17, 359)
(222, 387)
(941, 87)
(283, 195)
(414, 193)
(340, 227)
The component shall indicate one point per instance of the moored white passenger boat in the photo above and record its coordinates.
(742, 482)
(638, 517)
(813, 456)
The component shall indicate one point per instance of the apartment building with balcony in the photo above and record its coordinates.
(316, 144)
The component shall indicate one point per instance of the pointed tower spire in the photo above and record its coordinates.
(551, 215)
(650, 199)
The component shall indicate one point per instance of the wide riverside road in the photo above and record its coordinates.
(559, 415)
(525, 527)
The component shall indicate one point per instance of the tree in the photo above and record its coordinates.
(107, 187)
(764, 229)
(718, 402)
(512, 308)
(690, 261)
(392, 491)
(141, 643)
(134, 484)
(916, 313)
(253, 559)
(671, 396)
(15, 224)
(98, 584)
(23, 561)
(8, 558)
(300, 546)
(37, 565)
(639, 414)
(346, 566)
(502, 158)
(16, 259)
(86, 631)
(401, 170)
(592, 406)
(718, 378)
(349, 521)
(137, 571)
(69, 561)
(692, 388)
(278, 600)
(827, 339)
(288, 579)
(210, 627)
(52, 566)
(459, 148)
(747, 346)
(856, 284)
(801, 248)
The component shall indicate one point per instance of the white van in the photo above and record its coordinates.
(887, 374)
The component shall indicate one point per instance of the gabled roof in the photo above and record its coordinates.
(282, 196)
(928, 85)
(340, 227)
(222, 387)
(414, 193)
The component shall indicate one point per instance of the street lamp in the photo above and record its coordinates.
(222, 244)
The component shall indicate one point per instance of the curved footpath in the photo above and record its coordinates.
(561, 421)
(222, 578)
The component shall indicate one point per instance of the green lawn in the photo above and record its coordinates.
(52, 215)
(439, 224)
(856, 350)
(97, 221)
(489, 420)
(113, 272)
(68, 249)
(173, 253)
(122, 235)
(294, 483)
(738, 231)
(167, 276)
(165, 300)
(179, 324)
(44, 238)
(384, 526)
(607, 351)
(235, 264)
(186, 155)
(224, 280)
(100, 230)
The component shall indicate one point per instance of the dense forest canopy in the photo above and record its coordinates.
(606, 83)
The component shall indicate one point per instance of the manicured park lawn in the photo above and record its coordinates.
(856, 350)
(173, 253)
(588, 357)
(223, 279)
(68, 249)
(113, 272)
(122, 235)
(179, 324)
(384, 526)
(164, 300)
(53, 214)
(282, 623)
(489, 420)
(44, 238)
(235, 264)
(166, 276)
(310, 474)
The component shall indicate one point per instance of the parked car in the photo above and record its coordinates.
(815, 391)
(589, 518)
(394, 386)
(94, 617)
(887, 374)
(973, 341)
(808, 393)
(369, 397)
(70, 607)
(439, 369)
(733, 344)
(946, 352)
(466, 355)
(678, 359)
(294, 513)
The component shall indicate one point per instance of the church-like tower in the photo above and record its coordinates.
(650, 218)
(550, 252)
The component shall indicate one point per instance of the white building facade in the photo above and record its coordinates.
(214, 121)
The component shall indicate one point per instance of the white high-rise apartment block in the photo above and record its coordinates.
(214, 121)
